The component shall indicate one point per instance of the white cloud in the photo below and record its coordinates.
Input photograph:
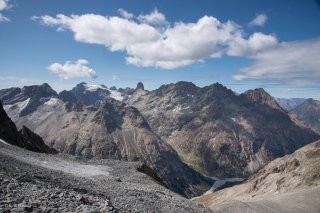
(183, 44)
(114, 77)
(295, 63)
(113, 32)
(70, 69)
(4, 18)
(259, 20)
(251, 46)
(125, 14)
(4, 5)
(147, 43)
(154, 18)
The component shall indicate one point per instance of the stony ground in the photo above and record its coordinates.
(33, 182)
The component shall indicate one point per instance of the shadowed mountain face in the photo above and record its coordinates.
(218, 132)
(24, 138)
(287, 184)
(309, 112)
(113, 130)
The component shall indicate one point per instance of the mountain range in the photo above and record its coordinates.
(185, 133)
(219, 133)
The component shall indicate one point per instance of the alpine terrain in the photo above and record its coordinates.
(218, 132)
(91, 123)
(185, 138)
(287, 184)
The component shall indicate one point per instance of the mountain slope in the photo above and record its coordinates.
(287, 184)
(309, 112)
(37, 182)
(24, 138)
(219, 133)
(110, 129)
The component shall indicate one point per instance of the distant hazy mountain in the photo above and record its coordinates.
(309, 112)
(287, 184)
(220, 133)
(289, 103)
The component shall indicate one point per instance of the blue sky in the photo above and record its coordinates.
(243, 45)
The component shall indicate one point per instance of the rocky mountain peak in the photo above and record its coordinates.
(35, 95)
(260, 96)
(217, 89)
(84, 94)
(179, 88)
(140, 86)
(80, 87)
(43, 90)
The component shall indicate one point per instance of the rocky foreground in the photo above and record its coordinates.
(36, 182)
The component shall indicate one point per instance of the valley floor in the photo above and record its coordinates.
(34, 182)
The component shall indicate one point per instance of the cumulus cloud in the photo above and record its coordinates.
(154, 18)
(295, 63)
(71, 69)
(251, 46)
(149, 43)
(259, 20)
(4, 5)
(125, 14)
(116, 33)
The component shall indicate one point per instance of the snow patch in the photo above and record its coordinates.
(94, 87)
(20, 105)
(116, 95)
(23, 104)
(52, 102)
(7, 107)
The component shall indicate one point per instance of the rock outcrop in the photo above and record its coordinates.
(140, 86)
